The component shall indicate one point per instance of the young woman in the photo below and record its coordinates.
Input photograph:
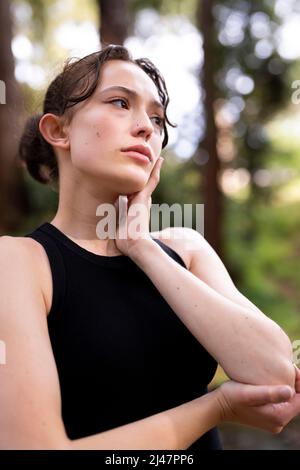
(111, 342)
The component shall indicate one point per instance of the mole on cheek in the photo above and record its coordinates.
(98, 134)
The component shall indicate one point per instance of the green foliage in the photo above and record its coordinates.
(166, 7)
(179, 181)
(270, 77)
(267, 270)
(43, 201)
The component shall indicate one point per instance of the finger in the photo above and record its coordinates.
(116, 204)
(123, 207)
(284, 412)
(120, 205)
(131, 196)
(297, 372)
(294, 407)
(263, 394)
(154, 178)
(297, 378)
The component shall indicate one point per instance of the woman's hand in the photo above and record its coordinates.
(134, 214)
(267, 407)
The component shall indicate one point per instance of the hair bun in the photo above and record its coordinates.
(36, 153)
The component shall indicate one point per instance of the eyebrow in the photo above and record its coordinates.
(134, 94)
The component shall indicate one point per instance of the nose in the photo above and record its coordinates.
(142, 126)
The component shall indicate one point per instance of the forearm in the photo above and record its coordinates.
(249, 346)
(176, 428)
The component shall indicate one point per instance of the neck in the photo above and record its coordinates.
(76, 217)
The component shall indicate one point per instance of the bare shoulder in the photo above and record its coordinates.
(184, 240)
(24, 247)
(26, 244)
(24, 256)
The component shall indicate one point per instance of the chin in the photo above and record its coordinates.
(132, 181)
(129, 188)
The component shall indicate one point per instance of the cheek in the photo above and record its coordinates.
(90, 137)
(99, 129)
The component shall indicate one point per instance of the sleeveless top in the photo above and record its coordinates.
(121, 352)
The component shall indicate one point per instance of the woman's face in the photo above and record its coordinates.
(113, 119)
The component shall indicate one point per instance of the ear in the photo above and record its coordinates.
(54, 132)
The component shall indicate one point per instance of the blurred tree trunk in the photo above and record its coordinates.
(114, 21)
(212, 193)
(13, 201)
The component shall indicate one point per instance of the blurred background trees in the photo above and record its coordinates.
(13, 197)
(229, 67)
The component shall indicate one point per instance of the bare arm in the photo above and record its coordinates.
(176, 428)
(249, 346)
(30, 411)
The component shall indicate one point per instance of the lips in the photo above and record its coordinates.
(140, 149)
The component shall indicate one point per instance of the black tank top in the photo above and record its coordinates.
(121, 352)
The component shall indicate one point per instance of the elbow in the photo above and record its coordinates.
(284, 372)
(65, 444)
(274, 370)
(287, 369)
(35, 444)
(53, 442)
(268, 362)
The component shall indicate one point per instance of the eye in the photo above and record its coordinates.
(120, 100)
(160, 121)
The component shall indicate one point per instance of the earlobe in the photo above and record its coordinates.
(54, 131)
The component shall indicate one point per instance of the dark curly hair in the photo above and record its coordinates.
(74, 84)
